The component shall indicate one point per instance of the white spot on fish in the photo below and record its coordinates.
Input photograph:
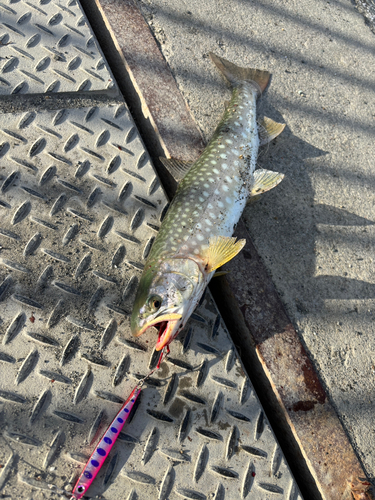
(223, 156)
(206, 185)
(215, 170)
(224, 166)
(225, 187)
(209, 206)
(201, 199)
(228, 179)
(244, 135)
(205, 194)
(228, 200)
(220, 204)
(216, 192)
(210, 179)
(213, 162)
(221, 146)
(200, 237)
(228, 141)
(196, 251)
(212, 215)
(208, 222)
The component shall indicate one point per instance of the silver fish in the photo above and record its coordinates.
(195, 237)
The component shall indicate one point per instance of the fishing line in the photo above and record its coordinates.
(102, 449)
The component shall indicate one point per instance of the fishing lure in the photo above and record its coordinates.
(97, 459)
(102, 450)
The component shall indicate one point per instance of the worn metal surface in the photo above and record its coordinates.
(47, 46)
(302, 403)
(80, 205)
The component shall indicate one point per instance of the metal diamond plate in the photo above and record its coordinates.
(47, 46)
(80, 206)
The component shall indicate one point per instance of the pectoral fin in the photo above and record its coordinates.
(268, 130)
(264, 180)
(221, 250)
(177, 168)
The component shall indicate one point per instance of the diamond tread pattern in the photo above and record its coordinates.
(80, 205)
(47, 46)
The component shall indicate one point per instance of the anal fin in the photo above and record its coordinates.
(264, 180)
(221, 250)
(177, 168)
(268, 130)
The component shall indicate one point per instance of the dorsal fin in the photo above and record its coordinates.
(268, 130)
(177, 168)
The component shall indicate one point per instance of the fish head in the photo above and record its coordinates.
(166, 297)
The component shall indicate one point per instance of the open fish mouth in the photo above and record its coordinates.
(166, 324)
(166, 330)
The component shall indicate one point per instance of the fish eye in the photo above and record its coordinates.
(154, 302)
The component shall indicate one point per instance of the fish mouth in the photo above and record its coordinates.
(166, 325)
(166, 331)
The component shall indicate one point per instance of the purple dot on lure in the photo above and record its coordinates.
(94, 463)
(114, 430)
(126, 410)
(132, 400)
(88, 474)
(101, 452)
(108, 440)
(120, 420)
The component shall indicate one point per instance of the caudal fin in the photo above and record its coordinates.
(235, 74)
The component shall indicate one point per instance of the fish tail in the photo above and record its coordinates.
(237, 75)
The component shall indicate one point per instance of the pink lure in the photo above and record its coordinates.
(103, 448)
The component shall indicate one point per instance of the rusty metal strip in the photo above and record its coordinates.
(251, 306)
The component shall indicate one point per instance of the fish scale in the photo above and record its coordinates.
(195, 236)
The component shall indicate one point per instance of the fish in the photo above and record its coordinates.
(196, 235)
